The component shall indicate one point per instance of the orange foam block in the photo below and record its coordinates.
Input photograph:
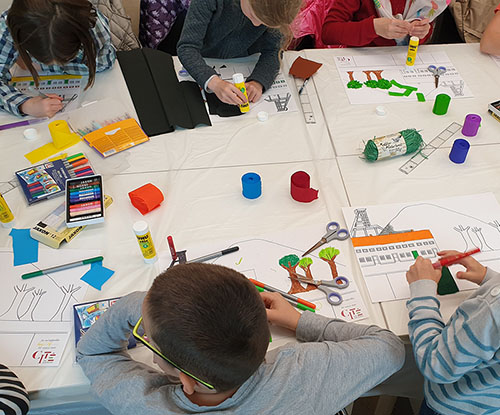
(146, 198)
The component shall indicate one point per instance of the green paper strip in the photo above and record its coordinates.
(420, 97)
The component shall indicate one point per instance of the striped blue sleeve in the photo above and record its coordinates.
(444, 353)
(10, 97)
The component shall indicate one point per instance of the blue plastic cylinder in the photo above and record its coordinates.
(459, 150)
(252, 185)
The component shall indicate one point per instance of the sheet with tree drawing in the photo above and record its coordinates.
(366, 78)
(36, 314)
(259, 258)
(385, 236)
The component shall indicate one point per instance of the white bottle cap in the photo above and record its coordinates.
(238, 78)
(30, 134)
(140, 227)
(414, 39)
(380, 110)
(262, 116)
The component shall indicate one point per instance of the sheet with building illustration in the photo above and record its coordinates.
(365, 77)
(36, 313)
(278, 99)
(259, 258)
(384, 237)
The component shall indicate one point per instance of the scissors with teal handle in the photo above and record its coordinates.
(333, 231)
(332, 296)
(437, 72)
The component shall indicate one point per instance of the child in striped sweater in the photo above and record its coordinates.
(460, 360)
(13, 397)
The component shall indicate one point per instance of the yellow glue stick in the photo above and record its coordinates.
(412, 51)
(141, 230)
(6, 216)
(239, 82)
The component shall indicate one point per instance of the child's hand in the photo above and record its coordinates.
(391, 28)
(474, 272)
(279, 311)
(226, 91)
(42, 107)
(254, 90)
(422, 269)
(420, 28)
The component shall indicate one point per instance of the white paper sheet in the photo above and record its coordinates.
(394, 231)
(36, 314)
(392, 67)
(258, 258)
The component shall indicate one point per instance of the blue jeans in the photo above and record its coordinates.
(425, 410)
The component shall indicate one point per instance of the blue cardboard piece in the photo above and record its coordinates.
(97, 275)
(24, 246)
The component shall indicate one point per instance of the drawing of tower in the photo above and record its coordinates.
(361, 224)
(280, 101)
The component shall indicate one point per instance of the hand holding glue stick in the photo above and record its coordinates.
(226, 91)
(239, 82)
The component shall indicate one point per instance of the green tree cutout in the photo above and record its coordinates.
(305, 264)
(290, 263)
(329, 254)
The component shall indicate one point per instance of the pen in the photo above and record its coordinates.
(284, 294)
(214, 255)
(173, 252)
(61, 267)
(443, 262)
(303, 85)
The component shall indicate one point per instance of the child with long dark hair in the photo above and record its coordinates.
(51, 36)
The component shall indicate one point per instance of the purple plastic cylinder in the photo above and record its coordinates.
(459, 150)
(471, 125)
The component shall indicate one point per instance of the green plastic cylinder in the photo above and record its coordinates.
(441, 104)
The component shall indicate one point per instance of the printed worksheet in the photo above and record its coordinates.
(274, 259)
(385, 238)
(36, 313)
(381, 79)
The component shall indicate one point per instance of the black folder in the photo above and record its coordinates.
(160, 100)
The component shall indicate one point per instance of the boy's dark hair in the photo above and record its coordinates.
(211, 321)
(53, 31)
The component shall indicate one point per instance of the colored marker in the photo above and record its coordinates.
(284, 294)
(294, 303)
(443, 262)
(173, 252)
(214, 255)
(62, 267)
(22, 123)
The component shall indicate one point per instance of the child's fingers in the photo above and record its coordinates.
(55, 96)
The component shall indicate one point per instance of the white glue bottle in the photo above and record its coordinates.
(141, 230)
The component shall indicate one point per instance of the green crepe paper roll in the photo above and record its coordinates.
(441, 104)
(412, 138)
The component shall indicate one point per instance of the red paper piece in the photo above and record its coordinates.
(304, 68)
(146, 198)
(300, 188)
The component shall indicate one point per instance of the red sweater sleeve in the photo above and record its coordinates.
(340, 27)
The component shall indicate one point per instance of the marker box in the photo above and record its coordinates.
(494, 110)
(84, 201)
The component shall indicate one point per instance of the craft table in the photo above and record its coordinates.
(199, 172)
(381, 182)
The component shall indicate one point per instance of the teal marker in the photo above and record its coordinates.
(62, 267)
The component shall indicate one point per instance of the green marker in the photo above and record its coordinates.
(62, 267)
(298, 305)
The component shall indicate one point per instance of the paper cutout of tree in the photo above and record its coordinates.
(305, 264)
(290, 263)
(329, 254)
(447, 284)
